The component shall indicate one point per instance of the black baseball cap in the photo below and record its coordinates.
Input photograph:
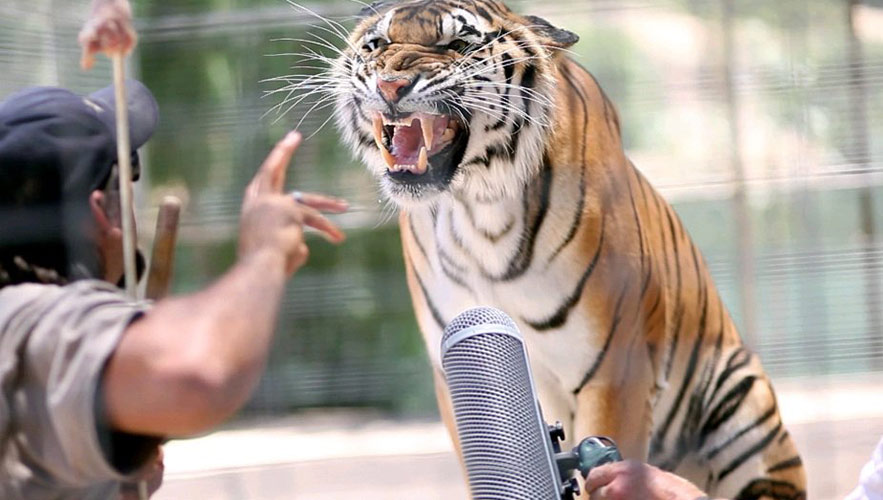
(56, 147)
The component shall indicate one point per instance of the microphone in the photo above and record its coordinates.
(508, 449)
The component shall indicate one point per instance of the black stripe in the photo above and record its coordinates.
(435, 83)
(495, 238)
(455, 235)
(508, 67)
(617, 317)
(560, 316)
(358, 105)
(783, 437)
(528, 79)
(718, 351)
(660, 207)
(655, 306)
(726, 408)
(581, 203)
(522, 259)
(505, 98)
(417, 239)
(514, 138)
(492, 237)
(754, 425)
(754, 450)
(451, 270)
(679, 303)
(492, 6)
(451, 262)
(484, 13)
(688, 434)
(791, 463)
(640, 230)
(645, 259)
(738, 360)
(770, 489)
(687, 378)
(432, 309)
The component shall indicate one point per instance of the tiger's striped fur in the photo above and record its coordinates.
(544, 217)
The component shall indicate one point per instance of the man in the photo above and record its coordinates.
(90, 382)
(870, 484)
(632, 480)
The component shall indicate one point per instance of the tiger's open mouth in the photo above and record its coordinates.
(420, 148)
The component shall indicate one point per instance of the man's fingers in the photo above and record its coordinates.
(300, 258)
(108, 32)
(315, 220)
(271, 175)
(323, 203)
(602, 476)
(272, 172)
(87, 61)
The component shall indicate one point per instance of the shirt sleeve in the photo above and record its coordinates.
(72, 332)
(870, 485)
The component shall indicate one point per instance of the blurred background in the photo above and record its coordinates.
(762, 122)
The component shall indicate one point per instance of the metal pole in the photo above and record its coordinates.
(747, 287)
(859, 154)
(124, 160)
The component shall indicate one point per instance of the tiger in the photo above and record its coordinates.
(505, 160)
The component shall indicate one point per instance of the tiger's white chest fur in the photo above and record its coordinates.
(468, 249)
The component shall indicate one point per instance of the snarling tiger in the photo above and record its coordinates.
(506, 160)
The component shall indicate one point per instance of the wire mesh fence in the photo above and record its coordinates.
(760, 121)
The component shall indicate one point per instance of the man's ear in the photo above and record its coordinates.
(555, 37)
(97, 201)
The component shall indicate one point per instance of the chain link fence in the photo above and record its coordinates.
(760, 121)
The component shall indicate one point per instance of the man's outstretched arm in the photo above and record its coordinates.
(192, 361)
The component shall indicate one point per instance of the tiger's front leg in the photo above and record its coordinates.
(742, 449)
(616, 403)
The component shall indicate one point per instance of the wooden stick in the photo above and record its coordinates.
(162, 258)
(124, 160)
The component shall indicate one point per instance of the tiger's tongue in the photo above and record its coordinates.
(406, 143)
(408, 140)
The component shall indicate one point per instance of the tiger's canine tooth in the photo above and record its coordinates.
(448, 135)
(387, 157)
(422, 162)
(428, 126)
(378, 131)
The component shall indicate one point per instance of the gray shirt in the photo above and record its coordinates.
(54, 344)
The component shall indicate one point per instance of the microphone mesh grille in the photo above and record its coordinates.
(479, 316)
(500, 434)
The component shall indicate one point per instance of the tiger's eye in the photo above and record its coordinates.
(458, 46)
(372, 45)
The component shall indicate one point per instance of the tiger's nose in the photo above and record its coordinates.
(393, 90)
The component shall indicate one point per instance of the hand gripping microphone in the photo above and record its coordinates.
(508, 449)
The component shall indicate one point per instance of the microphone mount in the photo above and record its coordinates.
(589, 453)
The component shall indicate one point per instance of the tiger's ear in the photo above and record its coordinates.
(375, 8)
(556, 37)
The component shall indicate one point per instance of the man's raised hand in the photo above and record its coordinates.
(274, 221)
(109, 30)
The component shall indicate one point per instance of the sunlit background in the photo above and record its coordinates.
(762, 122)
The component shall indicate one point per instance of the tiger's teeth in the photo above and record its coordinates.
(387, 157)
(448, 135)
(428, 132)
(378, 132)
(422, 162)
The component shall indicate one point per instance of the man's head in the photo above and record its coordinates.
(57, 153)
